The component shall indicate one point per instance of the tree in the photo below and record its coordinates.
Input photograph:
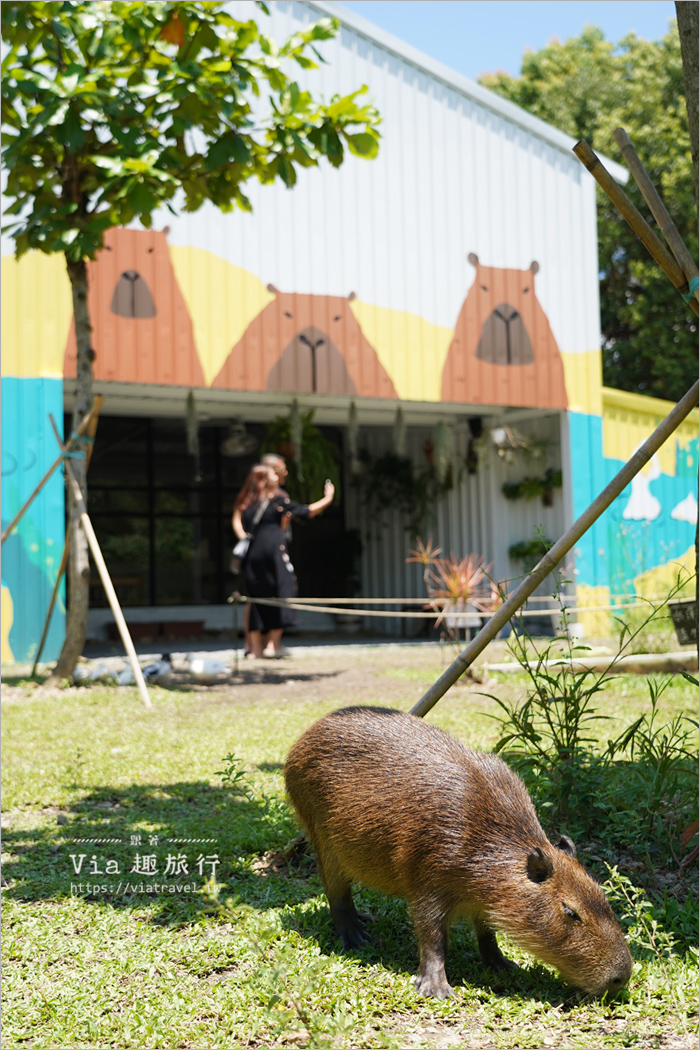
(688, 31)
(587, 87)
(112, 110)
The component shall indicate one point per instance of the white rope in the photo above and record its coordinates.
(304, 605)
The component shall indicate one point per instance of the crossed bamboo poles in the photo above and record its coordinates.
(84, 434)
(682, 271)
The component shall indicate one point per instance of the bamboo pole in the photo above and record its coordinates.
(557, 552)
(656, 205)
(104, 576)
(68, 446)
(624, 205)
(49, 614)
(91, 431)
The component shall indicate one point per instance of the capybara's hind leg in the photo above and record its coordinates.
(431, 927)
(348, 922)
(489, 951)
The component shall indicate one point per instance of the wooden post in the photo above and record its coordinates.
(49, 614)
(656, 206)
(92, 429)
(68, 446)
(104, 576)
(557, 552)
(627, 209)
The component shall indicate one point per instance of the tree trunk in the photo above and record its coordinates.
(687, 14)
(78, 562)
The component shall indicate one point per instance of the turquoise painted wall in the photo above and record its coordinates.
(32, 553)
(617, 548)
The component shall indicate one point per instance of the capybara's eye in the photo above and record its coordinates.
(484, 288)
(287, 313)
(526, 289)
(150, 250)
(337, 318)
(571, 913)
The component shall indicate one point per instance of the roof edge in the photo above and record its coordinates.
(467, 87)
(631, 401)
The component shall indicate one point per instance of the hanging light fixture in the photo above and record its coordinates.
(238, 442)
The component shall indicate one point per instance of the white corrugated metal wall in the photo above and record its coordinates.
(473, 518)
(452, 177)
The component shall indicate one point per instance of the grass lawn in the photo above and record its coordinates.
(104, 956)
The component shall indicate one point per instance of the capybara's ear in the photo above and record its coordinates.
(534, 267)
(351, 297)
(473, 258)
(165, 230)
(539, 866)
(271, 288)
(566, 846)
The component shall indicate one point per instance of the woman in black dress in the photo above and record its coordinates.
(259, 511)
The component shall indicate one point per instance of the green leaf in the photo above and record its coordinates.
(141, 198)
(72, 133)
(285, 170)
(365, 144)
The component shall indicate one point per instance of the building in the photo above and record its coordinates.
(455, 278)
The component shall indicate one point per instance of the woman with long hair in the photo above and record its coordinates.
(259, 511)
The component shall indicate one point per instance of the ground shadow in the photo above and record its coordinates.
(394, 946)
(128, 847)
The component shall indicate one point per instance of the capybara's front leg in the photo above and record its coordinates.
(489, 951)
(431, 927)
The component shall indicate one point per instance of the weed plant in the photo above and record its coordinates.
(637, 789)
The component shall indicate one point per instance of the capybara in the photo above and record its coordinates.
(395, 803)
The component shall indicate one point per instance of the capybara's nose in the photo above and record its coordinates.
(620, 979)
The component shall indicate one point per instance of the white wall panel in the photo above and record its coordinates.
(452, 177)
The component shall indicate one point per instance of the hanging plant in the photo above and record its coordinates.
(391, 483)
(530, 488)
(530, 551)
(192, 433)
(353, 433)
(297, 437)
(399, 434)
(320, 458)
(443, 445)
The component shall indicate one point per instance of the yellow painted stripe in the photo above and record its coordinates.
(412, 350)
(582, 377)
(662, 578)
(222, 300)
(37, 307)
(629, 419)
(595, 624)
(7, 614)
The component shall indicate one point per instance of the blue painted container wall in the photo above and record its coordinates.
(32, 553)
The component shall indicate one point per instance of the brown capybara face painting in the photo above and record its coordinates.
(503, 351)
(307, 344)
(142, 332)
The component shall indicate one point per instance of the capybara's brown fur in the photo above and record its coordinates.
(390, 801)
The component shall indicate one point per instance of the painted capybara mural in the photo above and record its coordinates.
(306, 344)
(503, 351)
(142, 331)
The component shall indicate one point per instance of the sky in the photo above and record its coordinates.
(482, 36)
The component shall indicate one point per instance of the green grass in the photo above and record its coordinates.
(262, 968)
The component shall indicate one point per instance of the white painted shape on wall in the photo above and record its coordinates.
(686, 510)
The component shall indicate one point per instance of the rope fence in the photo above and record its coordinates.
(442, 610)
